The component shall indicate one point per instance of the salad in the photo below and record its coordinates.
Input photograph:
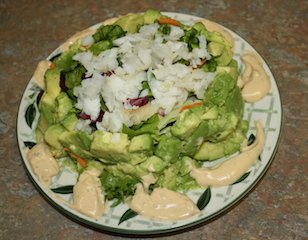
(137, 104)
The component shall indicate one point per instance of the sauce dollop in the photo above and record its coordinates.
(87, 195)
(254, 81)
(43, 163)
(232, 169)
(163, 204)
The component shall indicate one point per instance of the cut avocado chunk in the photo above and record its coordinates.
(216, 37)
(39, 135)
(231, 68)
(53, 134)
(138, 157)
(234, 102)
(126, 169)
(130, 22)
(228, 125)
(199, 26)
(177, 177)
(81, 152)
(188, 121)
(212, 151)
(109, 146)
(153, 164)
(169, 148)
(141, 143)
(192, 144)
(45, 120)
(79, 139)
(47, 116)
(70, 121)
(52, 86)
(64, 105)
(151, 15)
(215, 49)
(219, 89)
(211, 113)
(225, 58)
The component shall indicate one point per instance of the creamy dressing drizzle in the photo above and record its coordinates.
(232, 169)
(87, 195)
(162, 204)
(254, 81)
(43, 163)
(40, 72)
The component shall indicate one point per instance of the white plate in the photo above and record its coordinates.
(217, 200)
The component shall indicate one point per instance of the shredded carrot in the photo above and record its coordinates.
(52, 66)
(67, 149)
(169, 21)
(195, 104)
(80, 160)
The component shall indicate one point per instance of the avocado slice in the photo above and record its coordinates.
(151, 15)
(130, 22)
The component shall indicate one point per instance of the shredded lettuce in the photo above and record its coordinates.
(117, 188)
